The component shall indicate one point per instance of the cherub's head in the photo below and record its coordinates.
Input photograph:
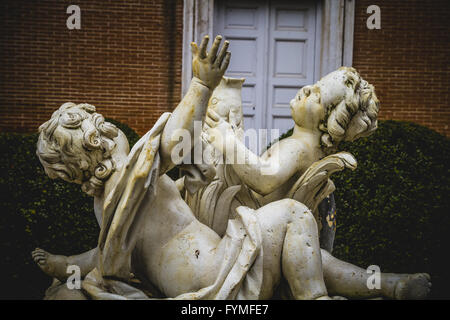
(76, 144)
(226, 101)
(342, 105)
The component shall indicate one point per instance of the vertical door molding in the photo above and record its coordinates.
(349, 23)
(198, 16)
(337, 34)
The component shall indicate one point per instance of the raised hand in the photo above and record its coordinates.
(210, 67)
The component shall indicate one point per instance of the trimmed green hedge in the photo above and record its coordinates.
(38, 212)
(393, 210)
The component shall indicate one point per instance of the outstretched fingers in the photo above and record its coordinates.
(222, 54)
(203, 46)
(226, 62)
(210, 66)
(215, 47)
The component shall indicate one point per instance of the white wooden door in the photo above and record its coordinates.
(273, 46)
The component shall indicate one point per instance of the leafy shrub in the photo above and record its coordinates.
(392, 211)
(38, 212)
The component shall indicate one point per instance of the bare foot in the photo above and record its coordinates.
(53, 265)
(413, 287)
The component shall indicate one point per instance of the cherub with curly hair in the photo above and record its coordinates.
(339, 107)
(148, 231)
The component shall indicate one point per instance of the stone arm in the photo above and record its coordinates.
(263, 174)
(208, 69)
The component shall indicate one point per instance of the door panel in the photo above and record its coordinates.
(243, 24)
(291, 64)
(273, 47)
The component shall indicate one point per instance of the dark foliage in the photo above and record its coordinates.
(392, 211)
(38, 212)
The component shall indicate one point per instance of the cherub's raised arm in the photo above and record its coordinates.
(262, 174)
(207, 69)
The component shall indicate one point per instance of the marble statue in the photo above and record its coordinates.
(341, 106)
(161, 238)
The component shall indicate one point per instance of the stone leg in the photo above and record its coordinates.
(290, 236)
(56, 265)
(86, 261)
(345, 279)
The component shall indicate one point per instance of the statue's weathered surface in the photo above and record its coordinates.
(229, 230)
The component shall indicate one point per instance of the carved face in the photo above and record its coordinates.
(226, 101)
(306, 107)
(224, 104)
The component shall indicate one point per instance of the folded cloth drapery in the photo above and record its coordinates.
(241, 271)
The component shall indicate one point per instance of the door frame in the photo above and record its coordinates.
(336, 34)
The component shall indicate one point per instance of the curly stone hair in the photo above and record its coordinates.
(353, 117)
(75, 145)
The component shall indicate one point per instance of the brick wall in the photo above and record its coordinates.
(125, 60)
(407, 59)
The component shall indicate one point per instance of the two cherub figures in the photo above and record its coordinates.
(236, 225)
